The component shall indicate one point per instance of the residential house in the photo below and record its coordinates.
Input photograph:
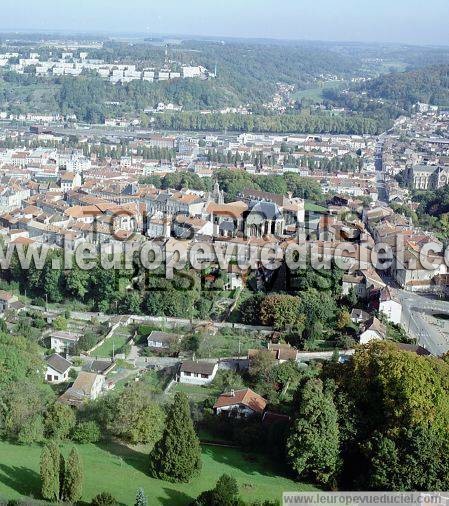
(87, 386)
(373, 330)
(362, 282)
(354, 282)
(162, 340)
(197, 373)
(7, 299)
(57, 369)
(69, 181)
(64, 342)
(412, 274)
(240, 404)
(390, 306)
(102, 367)
(281, 352)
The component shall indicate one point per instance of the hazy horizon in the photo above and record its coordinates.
(404, 22)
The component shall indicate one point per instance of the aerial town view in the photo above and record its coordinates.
(224, 263)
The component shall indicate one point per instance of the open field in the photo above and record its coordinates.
(316, 94)
(121, 470)
(228, 345)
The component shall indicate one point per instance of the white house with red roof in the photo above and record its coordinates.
(240, 404)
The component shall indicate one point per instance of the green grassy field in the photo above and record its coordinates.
(121, 470)
(315, 94)
(156, 381)
(228, 345)
(116, 342)
(196, 393)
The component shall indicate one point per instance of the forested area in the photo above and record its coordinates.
(432, 212)
(247, 74)
(247, 71)
(429, 85)
(90, 99)
(233, 182)
(374, 423)
(86, 97)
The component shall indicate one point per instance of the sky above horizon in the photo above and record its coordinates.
(408, 21)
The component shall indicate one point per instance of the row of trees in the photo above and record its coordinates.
(183, 296)
(106, 290)
(346, 163)
(304, 122)
(61, 480)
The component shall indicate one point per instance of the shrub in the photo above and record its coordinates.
(86, 432)
(32, 431)
(39, 301)
(59, 421)
(104, 499)
(60, 323)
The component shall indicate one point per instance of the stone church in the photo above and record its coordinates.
(428, 177)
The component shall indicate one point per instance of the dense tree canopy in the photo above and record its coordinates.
(393, 411)
(429, 85)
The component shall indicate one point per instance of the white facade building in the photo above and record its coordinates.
(197, 373)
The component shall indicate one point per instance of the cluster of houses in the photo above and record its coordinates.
(409, 266)
(417, 152)
(89, 385)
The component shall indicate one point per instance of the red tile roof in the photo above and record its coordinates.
(244, 397)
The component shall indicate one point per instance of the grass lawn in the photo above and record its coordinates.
(116, 343)
(196, 393)
(228, 345)
(315, 208)
(156, 381)
(123, 382)
(243, 296)
(121, 470)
